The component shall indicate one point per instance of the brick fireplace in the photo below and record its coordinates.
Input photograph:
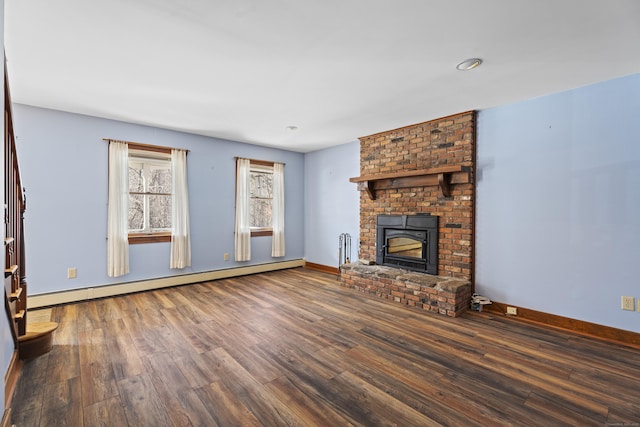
(425, 168)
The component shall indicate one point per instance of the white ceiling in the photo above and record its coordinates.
(337, 69)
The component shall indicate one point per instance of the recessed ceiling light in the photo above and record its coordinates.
(469, 64)
(291, 128)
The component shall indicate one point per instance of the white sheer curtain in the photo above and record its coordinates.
(118, 210)
(277, 242)
(180, 239)
(243, 226)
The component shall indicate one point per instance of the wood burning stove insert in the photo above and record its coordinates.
(408, 241)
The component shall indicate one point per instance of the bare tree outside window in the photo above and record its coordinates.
(136, 201)
(261, 183)
(160, 202)
(149, 195)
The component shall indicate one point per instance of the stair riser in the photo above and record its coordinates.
(35, 347)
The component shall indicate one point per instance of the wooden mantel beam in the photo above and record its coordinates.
(442, 176)
(403, 174)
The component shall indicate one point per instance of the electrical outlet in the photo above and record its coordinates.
(72, 273)
(628, 303)
(226, 256)
(512, 310)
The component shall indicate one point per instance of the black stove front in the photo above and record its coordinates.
(408, 241)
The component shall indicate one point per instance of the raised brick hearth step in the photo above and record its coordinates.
(445, 295)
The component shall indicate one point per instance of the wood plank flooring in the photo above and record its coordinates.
(294, 348)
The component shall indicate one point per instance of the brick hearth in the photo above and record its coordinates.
(443, 295)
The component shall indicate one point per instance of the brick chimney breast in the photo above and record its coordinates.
(448, 141)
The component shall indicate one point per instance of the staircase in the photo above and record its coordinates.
(31, 339)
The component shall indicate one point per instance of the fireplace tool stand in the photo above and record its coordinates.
(344, 250)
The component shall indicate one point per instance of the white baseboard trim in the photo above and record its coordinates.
(75, 295)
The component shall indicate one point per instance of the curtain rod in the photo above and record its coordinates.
(148, 147)
(259, 162)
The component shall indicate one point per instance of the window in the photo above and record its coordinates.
(148, 202)
(149, 195)
(261, 199)
(150, 191)
(259, 206)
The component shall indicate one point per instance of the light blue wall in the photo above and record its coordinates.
(558, 203)
(64, 169)
(332, 203)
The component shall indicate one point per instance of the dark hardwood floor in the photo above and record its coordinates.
(294, 348)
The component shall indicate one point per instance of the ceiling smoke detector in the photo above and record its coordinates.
(469, 64)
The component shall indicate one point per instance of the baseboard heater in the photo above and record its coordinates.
(84, 294)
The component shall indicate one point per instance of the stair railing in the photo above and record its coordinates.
(15, 283)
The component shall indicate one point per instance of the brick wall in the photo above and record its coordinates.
(442, 142)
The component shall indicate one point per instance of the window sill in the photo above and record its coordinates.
(258, 233)
(137, 238)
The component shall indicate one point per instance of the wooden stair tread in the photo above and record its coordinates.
(16, 295)
(38, 329)
(10, 271)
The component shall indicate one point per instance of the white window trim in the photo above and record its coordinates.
(258, 231)
(148, 163)
(150, 159)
